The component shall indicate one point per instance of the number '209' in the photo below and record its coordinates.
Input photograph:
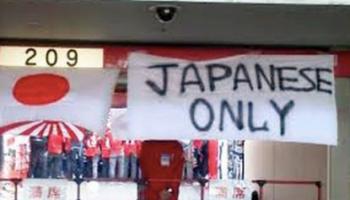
(51, 57)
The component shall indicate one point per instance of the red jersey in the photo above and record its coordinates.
(67, 145)
(91, 145)
(105, 144)
(55, 144)
(138, 147)
(197, 144)
(129, 148)
(117, 147)
(213, 159)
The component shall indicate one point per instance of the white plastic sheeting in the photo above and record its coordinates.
(108, 190)
(190, 192)
(47, 189)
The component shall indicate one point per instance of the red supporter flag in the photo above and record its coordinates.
(78, 96)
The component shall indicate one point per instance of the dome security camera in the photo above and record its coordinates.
(165, 13)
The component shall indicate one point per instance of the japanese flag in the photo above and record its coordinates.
(79, 96)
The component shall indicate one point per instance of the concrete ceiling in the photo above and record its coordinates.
(196, 23)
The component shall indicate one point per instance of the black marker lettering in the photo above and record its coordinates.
(303, 73)
(241, 69)
(251, 125)
(238, 120)
(283, 79)
(321, 81)
(212, 77)
(268, 79)
(198, 81)
(210, 110)
(282, 113)
(161, 91)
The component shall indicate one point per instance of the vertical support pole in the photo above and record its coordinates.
(202, 192)
(16, 182)
(78, 192)
(329, 172)
(243, 160)
(16, 190)
(202, 183)
(261, 184)
(319, 191)
(78, 181)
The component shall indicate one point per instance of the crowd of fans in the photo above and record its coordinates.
(56, 156)
(95, 156)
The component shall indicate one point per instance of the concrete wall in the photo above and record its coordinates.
(291, 161)
(132, 21)
(340, 155)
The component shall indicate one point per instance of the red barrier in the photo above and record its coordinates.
(262, 183)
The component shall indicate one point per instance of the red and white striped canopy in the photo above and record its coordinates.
(45, 128)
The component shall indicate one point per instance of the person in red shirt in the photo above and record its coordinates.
(138, 144)
(213, 159)
(130, 161)
(105, 145)
(67, 147)
(123, 161)
(200, 169)
(77, 158)
(38, 157)
(91, 153)
(188, 155)
(115, 157)
(55, 150)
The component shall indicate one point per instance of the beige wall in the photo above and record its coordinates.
(340, 155)
(291, 161)
(287, 161)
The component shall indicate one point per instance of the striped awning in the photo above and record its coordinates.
(45, 128)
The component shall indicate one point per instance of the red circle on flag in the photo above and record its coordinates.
(40, 89)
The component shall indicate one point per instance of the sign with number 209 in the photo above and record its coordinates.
(51, 57)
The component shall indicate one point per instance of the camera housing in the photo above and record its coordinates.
(165, 13)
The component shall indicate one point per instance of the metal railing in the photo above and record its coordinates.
(80, 181)
(261, 183)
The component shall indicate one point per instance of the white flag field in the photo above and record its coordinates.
(246, 97)
(79, 96)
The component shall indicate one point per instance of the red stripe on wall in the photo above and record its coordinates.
(342, 68)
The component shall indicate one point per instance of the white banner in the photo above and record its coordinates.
(108, 190)
(7, 190)
(15, 156)
(230, 190)
(117, 122)
(79, 96)
(189, 191)
(47, 189)
(260, 97)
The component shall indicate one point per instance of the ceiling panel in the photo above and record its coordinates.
(195, 23)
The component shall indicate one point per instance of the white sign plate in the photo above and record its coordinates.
(51, 57)
(259, 97)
